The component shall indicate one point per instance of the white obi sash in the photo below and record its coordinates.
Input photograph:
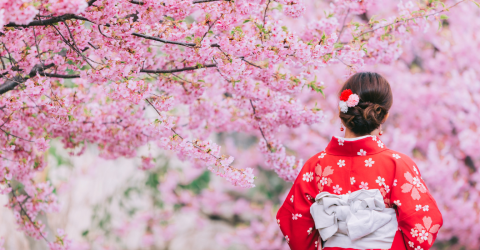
(357, 220)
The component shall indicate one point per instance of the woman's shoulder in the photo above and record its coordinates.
(401, 161)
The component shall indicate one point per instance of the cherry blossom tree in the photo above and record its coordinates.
(175, 74)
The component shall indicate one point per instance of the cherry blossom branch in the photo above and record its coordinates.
(18, 137)
(194, 144)
(182, 84)
(209, 28)
(254, 65)
(265, 13)
(412, 18)
(25, 212)
(60, 76)
(343, 26)
(177, 70)
(50, 21)
(93, 46)
(260, 127)
(73, 48)
(207, 1)
(163, 40)
(91, 2)
(340, 60)
(15, 81)
(137, 2)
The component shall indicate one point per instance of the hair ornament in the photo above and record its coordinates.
(347, 100)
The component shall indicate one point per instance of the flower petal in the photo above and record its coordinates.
(327, 171)
(318, 170)
(415, 194)
(422, 189)
(434, 228)
(427, 221)
(419, 227)
(329, 181)
(406, 187)
(409, 177)
(430, 239)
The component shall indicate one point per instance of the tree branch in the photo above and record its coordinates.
(25, 212)
(137, 2)
(91, 2)
(15, 81)
(260, 127)
(60, 76)
(18, 137)
(163, 40)
(207, 1)
(50, 21)
(176, 70)
(343, 26)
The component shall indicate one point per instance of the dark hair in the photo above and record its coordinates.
(375, 101)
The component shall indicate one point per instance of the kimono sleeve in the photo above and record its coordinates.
(419, 218)
(294, 218)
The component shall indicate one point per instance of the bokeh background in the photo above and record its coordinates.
(435, 119)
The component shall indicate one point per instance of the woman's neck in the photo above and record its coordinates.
(349, 133)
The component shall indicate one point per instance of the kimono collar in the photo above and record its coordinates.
(360, 146)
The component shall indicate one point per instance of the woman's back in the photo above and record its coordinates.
(331, 182)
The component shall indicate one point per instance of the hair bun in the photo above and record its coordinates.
(375, 101)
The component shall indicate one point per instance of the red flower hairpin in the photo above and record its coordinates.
(348, 99)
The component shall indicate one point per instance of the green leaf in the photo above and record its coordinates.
(152, 180)
(284, 28)
(443, 17)
(84, 233)
(338, 45)
(169, 18)
(246, 21)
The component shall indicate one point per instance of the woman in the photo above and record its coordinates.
(358, 194)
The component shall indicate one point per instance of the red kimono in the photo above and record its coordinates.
(364, 163)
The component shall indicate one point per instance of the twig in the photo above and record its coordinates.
(265, 13)
(25, 212)
(99, 29)
(177, 70)
(343, 26)
(72, 47)
(260, 127)
(182, 84)
(93, 46)
(406, 20)
(158, 112)
(60, 76)
(207, 1)
(137, 2)
(18, 137)
(243, 59)
(163, 40)
(209, 28)
(348, 65)
(8, 118)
